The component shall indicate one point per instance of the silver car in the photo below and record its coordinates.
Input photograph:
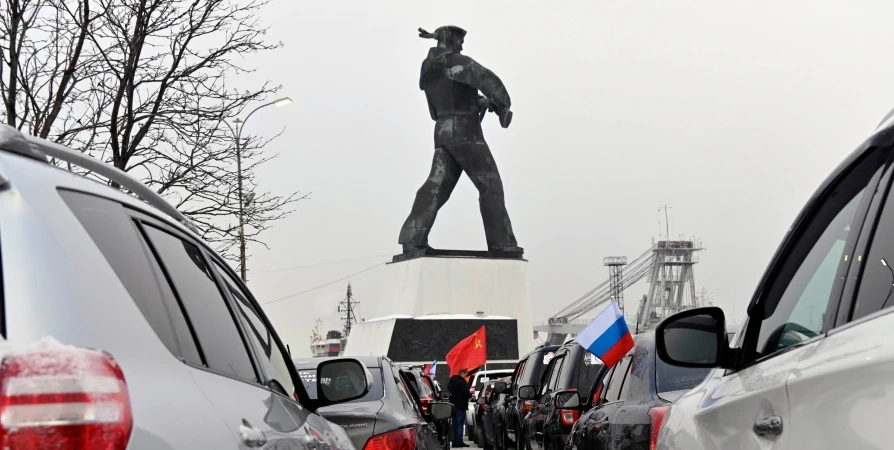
(190, 360)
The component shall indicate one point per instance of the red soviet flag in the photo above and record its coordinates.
(470, 353)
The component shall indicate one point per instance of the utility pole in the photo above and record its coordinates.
(237, 134)
(346, 307)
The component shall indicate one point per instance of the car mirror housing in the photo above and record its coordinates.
(567, 399)
(500, 387)
(481, 401)
(440, 410)
(342, 380)
(694, 338)
(527, 392)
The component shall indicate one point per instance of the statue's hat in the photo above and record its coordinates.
(442, 32)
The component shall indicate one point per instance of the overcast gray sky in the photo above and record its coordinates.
(729, 112)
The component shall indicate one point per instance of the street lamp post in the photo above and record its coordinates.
(240, 125)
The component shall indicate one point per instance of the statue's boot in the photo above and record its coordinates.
(507, 249)
(411, 248)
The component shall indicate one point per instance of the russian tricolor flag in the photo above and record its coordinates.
(607, 336)
(430, 369)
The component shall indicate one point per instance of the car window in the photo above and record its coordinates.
(272, 357)
(119, 240)
(628, 378)
(809, 279)
(516, 377)
(876, 287)
(613, 392)
(588, 371)
(606, 380)
(406, 397)
(556, 369)
(191, 279)
(670, 378)
(376, 390)
(800, 311)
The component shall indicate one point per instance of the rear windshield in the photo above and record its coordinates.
(424, 390)
(589, 370)
(376, 391)
(674, 378)
(534, 367)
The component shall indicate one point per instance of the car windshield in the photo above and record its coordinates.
(674, 378)
(376, 391)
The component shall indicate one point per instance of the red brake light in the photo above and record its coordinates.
(569, 416)
(526, 408)
(657, 415)
(63, 398)
(402, 439)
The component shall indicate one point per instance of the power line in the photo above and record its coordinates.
(327, 284)
(318, 264)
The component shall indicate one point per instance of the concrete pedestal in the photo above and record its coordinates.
(448, 288)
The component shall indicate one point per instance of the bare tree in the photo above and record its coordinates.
(44, 62)
(146, 86)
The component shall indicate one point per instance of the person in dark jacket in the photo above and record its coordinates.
(458, 388)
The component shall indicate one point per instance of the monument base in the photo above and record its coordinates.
(425, 339)
(481, 289)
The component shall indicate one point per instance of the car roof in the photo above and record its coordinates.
(312, 363)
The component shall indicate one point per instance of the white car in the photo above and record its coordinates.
(812, 366)
(477, 383)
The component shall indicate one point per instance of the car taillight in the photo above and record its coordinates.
(426, 401)
(569, 416)
(65, 399)
(526, 408)
(657, 415)
(402, 439)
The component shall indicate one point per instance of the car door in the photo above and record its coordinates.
(513, 404)
(600, 422)
(541, 409)
(248, 398)
(794, 305)
(845, 381)
(426, 434)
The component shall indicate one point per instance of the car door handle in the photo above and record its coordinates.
(768, 426)
(251, 436)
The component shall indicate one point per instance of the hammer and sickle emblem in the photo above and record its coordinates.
(477, 342)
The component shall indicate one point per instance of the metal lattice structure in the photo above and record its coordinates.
(667, 266)
(615, 279)
(348, 314)
(671, 283)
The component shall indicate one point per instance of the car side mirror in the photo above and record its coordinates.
(445, 395)
(342, 380)
(694, 338)
(440, 410)
(567, 399)
(500, 387)
(527, 392)
(481, 401)
(544, 399)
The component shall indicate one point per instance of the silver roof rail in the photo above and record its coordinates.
(885, 119)
(12, 139)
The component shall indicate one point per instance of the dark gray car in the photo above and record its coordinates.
(389, 416)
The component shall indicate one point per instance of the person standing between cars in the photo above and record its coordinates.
(458, 388)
